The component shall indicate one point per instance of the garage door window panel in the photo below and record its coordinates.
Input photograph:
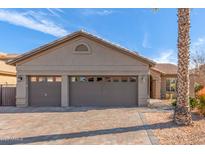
(124, 79)
(73, 79)
(33, 79)
(58, 79)
(90, 79)
(108, 79)
(99, 79)
(116, 79)
(42, 79)
(133, 79)
(50, 79)
(82, 79)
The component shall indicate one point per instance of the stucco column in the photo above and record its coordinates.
(143, 90)
(65, 91)
(22, 91)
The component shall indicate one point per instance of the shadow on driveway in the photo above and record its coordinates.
(53, 137)
(54, 109)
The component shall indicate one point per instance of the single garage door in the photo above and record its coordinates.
(44, 91)
(103, 91)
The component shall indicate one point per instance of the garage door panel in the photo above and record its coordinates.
(85, 94)
(44, 93)
(120, 94)
(103, 94)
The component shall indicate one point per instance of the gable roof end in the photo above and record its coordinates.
(73, 35)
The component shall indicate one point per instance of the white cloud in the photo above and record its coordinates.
(166, 56)
(55, 11)
(96, 12)
(145, 42)
(59, 10)
(32, 20)
(170, 56)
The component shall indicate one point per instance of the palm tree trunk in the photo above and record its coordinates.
(182, 115)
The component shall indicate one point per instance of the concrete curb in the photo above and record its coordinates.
(153, 139)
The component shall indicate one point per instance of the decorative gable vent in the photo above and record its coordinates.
(82, 48)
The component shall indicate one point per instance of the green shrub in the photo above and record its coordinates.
(174, 103)
(198, 103)
(201, 106)
(193, 102)
(197, 87)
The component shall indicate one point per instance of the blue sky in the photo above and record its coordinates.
(151, 34)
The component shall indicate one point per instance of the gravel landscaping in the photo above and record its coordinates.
(160, 121)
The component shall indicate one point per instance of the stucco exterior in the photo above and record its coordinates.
(7, 73)
(7, 79)
(155, 84)
(158, 82)
(63, 60)
(158, 85)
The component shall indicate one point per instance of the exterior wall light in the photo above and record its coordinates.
(143, 79)
(19, 78)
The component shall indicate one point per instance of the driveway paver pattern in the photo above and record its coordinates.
(72, 126)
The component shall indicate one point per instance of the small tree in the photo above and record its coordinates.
(198, 68)
(197, 60)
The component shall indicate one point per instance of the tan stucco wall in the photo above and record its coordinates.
(63, 60)
(22, 92)
(143, 90)
(7, 68)
(156, 84)
(7, 79)
(7, 73)
(102, 60)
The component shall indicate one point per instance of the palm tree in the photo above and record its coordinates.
(182, 114)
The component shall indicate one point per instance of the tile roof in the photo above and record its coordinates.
(5, 68)
(4, 56)
(165, 68)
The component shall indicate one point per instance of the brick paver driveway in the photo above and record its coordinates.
(72, 126)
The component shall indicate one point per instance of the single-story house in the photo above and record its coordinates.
(7, 72)
(163, 81)
(81, 69)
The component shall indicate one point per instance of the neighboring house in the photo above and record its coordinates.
(7, 72)
(197, 76)
(82, 70)
(163, 81)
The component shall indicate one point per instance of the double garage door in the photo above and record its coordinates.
(98, 91)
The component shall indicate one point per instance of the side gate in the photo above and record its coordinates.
(7, 95)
